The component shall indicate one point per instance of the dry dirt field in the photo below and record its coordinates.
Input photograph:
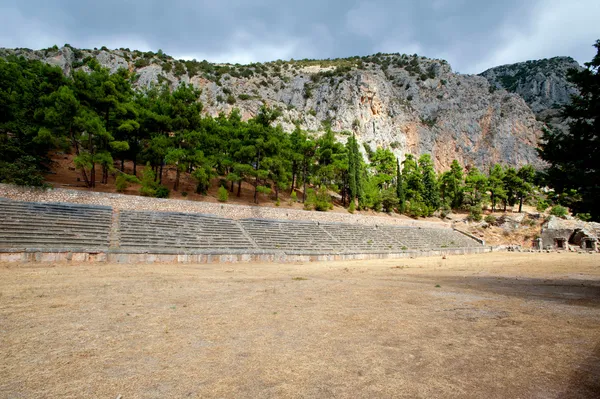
(498, 325)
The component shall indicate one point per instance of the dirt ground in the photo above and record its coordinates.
(498, 325)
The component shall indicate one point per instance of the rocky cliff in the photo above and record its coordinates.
(409, 104)
(543, 83)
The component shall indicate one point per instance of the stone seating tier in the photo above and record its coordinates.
(53, 225)
(25, 225)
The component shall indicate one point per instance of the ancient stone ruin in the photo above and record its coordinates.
(570, 235)
(31, 231)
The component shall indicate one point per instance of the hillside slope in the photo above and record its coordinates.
(409, 104)
(542, 83)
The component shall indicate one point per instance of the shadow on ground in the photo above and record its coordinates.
(577, 292)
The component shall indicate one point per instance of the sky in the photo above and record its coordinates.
(473, 35)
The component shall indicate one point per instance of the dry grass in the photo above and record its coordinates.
(495, 326)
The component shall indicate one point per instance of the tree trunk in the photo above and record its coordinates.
(160, 174)
(520, 204)
(239, 188)
(85, 177)
(304, 181)
(256, 190)
(135, 165)
(123, 164)
(232, 185)
(293, 176)
(177, 174)
(93, 176)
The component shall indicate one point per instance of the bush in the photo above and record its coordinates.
(389, 200)
(150, 188)
(541, 205)
(23, 172)
(475, 214)
(352, 207)
(490, 219)
(294, 196)
(184, 194)
(559, 211)
(223, 194)
(123, 181)
(323, 200)
(162, 192)
(585, 217)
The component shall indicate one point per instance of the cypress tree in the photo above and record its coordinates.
(399, 188)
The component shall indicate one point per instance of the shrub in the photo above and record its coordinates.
(123, 181)
(223, 194)
(352, 207)
(150, 188)
(162, 192)
(184, 193)
(311, 199)
(585, 217)
(244, 97)
(323, 200)
(559, 211)
(230, 99)
(294, 196)
(490, 219)
(541, 205)
(277, 203)
(475, 214)
(23, 172)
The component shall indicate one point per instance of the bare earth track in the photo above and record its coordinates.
(497, 325)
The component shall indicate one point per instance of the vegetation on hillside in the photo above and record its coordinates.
(99, 117)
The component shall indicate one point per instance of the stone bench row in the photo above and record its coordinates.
(53, 225)
(32, 225)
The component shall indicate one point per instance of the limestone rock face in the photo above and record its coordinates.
(410, 104)
(543, 84)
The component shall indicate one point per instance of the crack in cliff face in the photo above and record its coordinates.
(411, 105)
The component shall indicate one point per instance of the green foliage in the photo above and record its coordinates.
(585, 217)
(23, 171)
(352, 207)
(541, 205)
(490, 219)
(573, 155)
(319, 200)
(559, 211)
(475, 213)
(151, 188)
(389, 200)
(123, 181)
(223, 194)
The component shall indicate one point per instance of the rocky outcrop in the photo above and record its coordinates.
(409, 104)
(543, 84)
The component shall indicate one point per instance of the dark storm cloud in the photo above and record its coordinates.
(471, 34)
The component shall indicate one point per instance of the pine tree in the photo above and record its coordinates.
(430, 193)
(573, 155)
